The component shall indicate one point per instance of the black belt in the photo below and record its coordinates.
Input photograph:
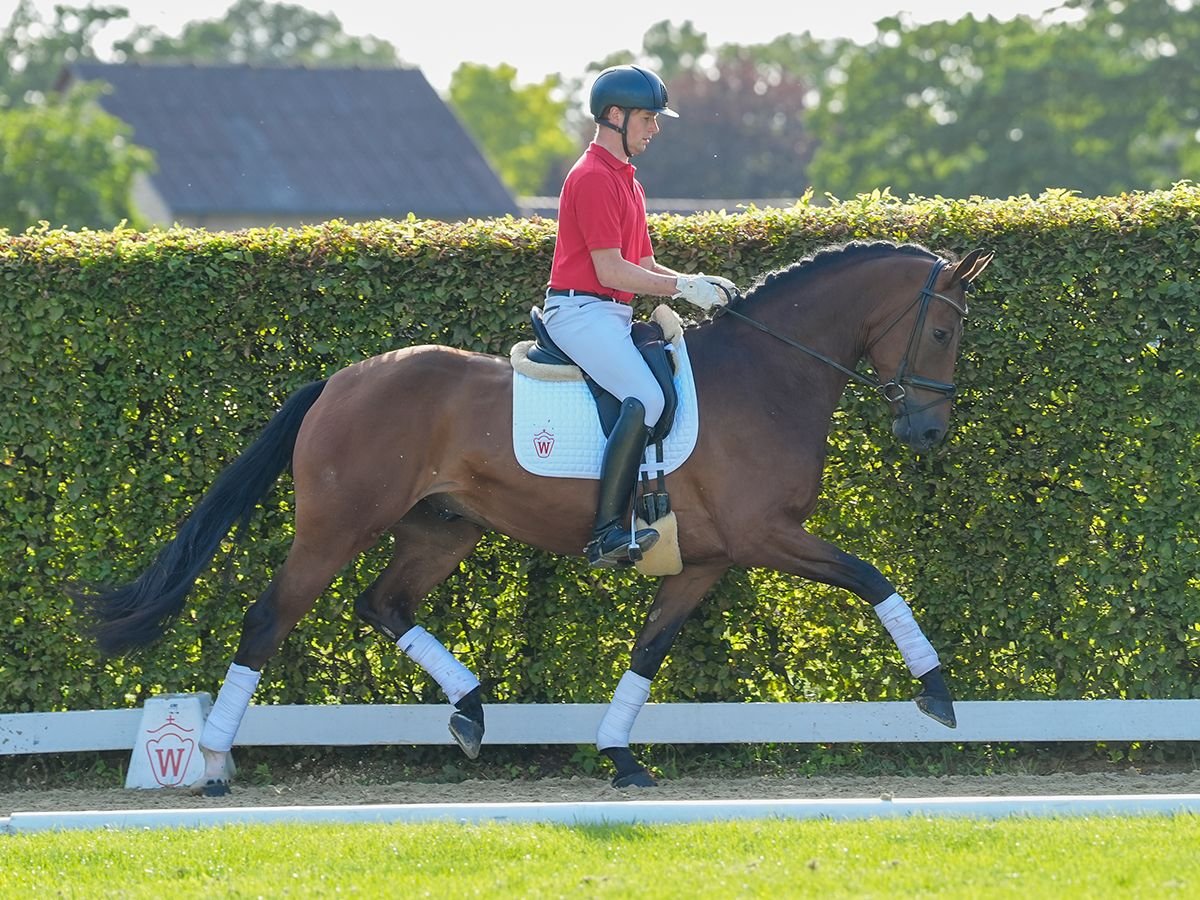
(573, 293)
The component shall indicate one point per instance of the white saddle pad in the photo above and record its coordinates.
(556, 428)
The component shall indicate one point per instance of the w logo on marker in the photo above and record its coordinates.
(170, 761)
(543, 443)
(170, 751)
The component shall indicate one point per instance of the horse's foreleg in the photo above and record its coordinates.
(678, 596)
(428, 548)
(818, 560)
(268, 621)
(922, 660)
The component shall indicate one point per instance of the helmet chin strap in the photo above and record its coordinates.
(623, 131)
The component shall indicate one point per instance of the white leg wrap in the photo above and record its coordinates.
(898, 619)
(222, 723)
(628, 699)
(426, 651)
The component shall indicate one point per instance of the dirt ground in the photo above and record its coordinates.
(331, 787)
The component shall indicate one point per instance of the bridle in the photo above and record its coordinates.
(895, 390)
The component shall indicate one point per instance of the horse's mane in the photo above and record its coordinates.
(851, 251)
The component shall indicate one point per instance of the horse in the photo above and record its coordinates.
(416, 442)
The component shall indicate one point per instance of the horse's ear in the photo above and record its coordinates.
(968, 269)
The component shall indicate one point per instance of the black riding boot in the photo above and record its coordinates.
(611, 543)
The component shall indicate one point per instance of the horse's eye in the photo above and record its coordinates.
(940, 335)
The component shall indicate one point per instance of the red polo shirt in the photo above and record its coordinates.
(602, 205)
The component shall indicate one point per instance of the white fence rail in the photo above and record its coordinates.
(659, 723)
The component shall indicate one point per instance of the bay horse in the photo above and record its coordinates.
(416, 442)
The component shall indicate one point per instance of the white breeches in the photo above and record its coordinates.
(595, 333)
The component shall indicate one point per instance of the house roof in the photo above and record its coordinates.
(349, 142)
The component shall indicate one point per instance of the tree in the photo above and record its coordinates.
(1100, 105)
(519, 128)
(260, 32)
(36, 51)
(63, 159)
(742, 131)
(68, 163)
(1158, 41)
(676, 49)
(740, 134)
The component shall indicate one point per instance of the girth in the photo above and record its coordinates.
(649, 340)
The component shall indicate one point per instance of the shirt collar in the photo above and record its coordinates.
(617, 165)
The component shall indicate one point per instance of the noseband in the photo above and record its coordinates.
(896, 389)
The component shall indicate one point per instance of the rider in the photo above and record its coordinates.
(602, 258)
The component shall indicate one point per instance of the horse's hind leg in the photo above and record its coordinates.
(308, 570)
(678, 596)
(429, 546)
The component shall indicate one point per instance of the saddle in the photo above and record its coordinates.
(650, 341)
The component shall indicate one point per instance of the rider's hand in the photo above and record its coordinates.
(702, 290)
(722, 283)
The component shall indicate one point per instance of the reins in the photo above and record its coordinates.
(893, 391)
(868, 380)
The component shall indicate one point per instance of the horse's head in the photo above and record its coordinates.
(914, 349)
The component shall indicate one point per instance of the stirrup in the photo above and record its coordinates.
(615, 548)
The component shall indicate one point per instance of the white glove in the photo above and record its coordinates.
(722, 282)
(702, 290)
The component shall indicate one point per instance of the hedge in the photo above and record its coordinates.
(1049, 547)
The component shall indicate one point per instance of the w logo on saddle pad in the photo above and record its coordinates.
(543, 444)
(557, 431)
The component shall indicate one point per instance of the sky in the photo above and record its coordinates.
(534, 36)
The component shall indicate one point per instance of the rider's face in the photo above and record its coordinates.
(642, 126)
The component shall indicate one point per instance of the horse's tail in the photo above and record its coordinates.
(134, 615)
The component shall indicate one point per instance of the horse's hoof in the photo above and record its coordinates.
(630, 773)
(213, 787)
(940, 709)
(639, 779)
(468, 733)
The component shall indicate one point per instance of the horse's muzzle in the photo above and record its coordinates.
(920, 432)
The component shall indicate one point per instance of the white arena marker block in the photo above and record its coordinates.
(167, 750)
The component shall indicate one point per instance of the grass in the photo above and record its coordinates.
(1016, 857)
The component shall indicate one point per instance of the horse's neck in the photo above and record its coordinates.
(743, 365)
(828, 317)
(826, 320)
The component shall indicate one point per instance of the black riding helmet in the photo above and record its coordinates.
(628, 88)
